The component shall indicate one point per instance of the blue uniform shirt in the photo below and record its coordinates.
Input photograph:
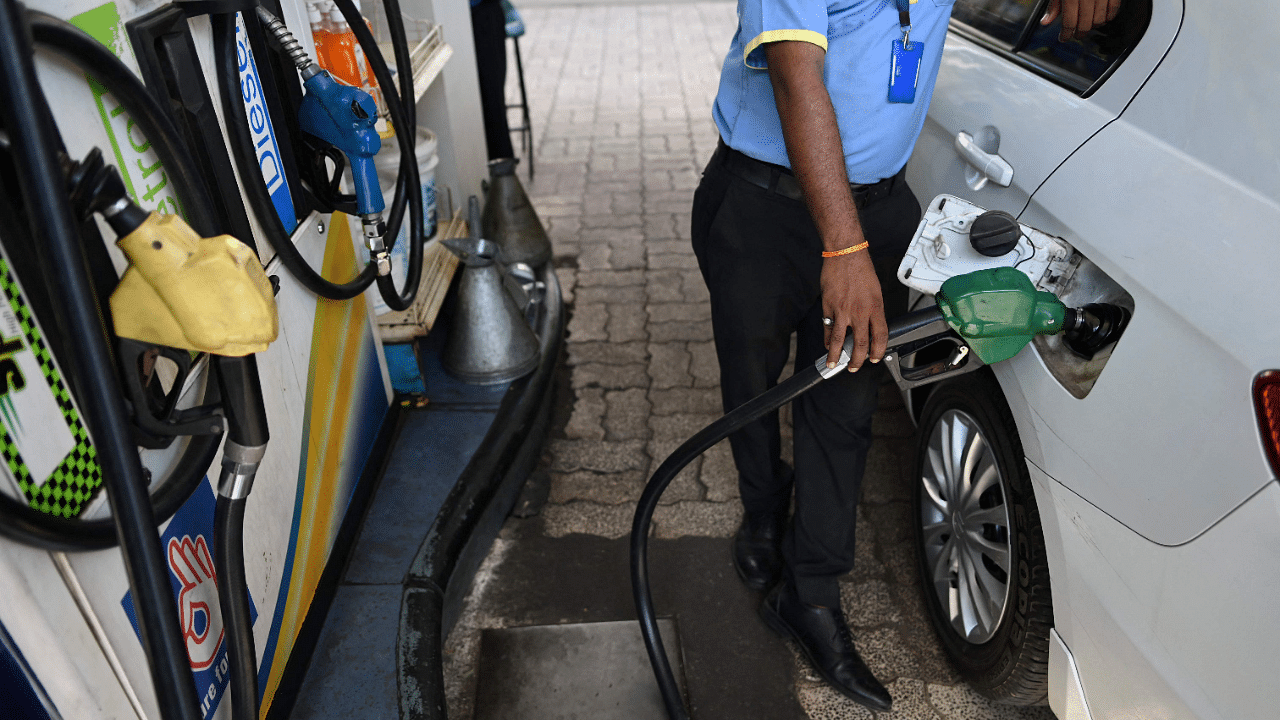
(857, 35)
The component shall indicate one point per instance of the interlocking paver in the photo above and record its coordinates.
(587, 420)
(607, 488)
(669, 331)
(626, 322)
(609, 376)
(626, 414)
(683, 400)
(604, 293)
(588, 322)
(607, 353)
(669, 366)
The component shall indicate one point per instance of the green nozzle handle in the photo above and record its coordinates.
(998, 311)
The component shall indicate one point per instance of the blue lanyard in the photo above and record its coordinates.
(904, 19)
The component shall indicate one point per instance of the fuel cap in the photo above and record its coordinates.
(994, 233)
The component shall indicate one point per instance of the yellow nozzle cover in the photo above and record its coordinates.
(184, 291)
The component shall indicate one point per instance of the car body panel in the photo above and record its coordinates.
(1198, 260)
(1038, 122)
(1169, 430)
(1167, 632)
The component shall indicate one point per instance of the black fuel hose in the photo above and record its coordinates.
(24, 524)
(23, 109)
(233, 600)
(70, 42)
(768, 401)
(237, 124)
(402, 116)
(247, 437)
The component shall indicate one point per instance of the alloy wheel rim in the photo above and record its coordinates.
(967, 543)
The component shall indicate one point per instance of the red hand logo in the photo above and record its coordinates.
(191, 563)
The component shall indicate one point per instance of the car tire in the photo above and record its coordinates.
(997, 633)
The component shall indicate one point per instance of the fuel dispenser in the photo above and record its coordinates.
(150, 350)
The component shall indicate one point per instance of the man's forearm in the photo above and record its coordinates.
(813, 140)
(850, 291)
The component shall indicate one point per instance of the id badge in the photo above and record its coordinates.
(905, 71)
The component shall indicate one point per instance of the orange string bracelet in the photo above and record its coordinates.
(846, 251)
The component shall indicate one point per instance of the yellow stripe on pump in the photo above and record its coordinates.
(185, 291)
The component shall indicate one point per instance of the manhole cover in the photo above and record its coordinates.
(584, 671)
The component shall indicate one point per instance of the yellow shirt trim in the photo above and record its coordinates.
(769, 36)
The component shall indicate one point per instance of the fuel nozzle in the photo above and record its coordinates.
(1088, 329)
(180, 290)
(344, 117)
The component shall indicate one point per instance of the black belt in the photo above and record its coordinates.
(781, 180)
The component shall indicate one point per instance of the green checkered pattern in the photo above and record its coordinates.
(69, 488)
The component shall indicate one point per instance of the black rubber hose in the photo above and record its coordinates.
(403, 117)
(704, 440)
(43, 188)
(683, 455)
(233, 599)
(243, 401)
(24, 524)
(246, 159)
(70, 42)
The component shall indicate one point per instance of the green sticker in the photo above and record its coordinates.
(66, 471)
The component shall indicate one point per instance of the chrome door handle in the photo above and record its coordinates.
(990, 165)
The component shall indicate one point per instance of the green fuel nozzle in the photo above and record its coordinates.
(998, 311)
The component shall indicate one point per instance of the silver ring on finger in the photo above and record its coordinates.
(828, 321)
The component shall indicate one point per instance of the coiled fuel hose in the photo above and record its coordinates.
(772, 399)
(403, 117)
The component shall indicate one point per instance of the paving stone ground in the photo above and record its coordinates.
(620, 98)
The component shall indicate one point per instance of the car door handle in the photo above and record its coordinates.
(990, 165)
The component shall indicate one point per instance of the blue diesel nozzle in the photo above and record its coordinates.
(344, 117)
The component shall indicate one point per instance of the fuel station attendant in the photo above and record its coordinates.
(799, 223)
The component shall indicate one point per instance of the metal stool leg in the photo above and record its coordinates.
(526, 127)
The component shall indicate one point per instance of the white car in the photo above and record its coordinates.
(1104, 534)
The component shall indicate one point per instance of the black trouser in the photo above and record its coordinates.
(489, 31)
(760, 255)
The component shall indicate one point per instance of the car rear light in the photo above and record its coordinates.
(1266, 398)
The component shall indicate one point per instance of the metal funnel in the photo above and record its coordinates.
(509, 217)
(489, 340)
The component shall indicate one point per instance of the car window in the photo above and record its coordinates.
(1012, 28)
(1002, 21)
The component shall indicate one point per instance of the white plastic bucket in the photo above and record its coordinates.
(387, 163)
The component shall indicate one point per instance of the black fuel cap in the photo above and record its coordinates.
(994, 233)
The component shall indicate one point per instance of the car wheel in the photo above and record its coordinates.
(982, 556)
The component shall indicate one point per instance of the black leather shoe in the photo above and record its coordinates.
(757, 551)
(825, 639)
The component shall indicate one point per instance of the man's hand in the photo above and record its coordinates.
(1080, 16)
(850, 290)
(851, 298)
